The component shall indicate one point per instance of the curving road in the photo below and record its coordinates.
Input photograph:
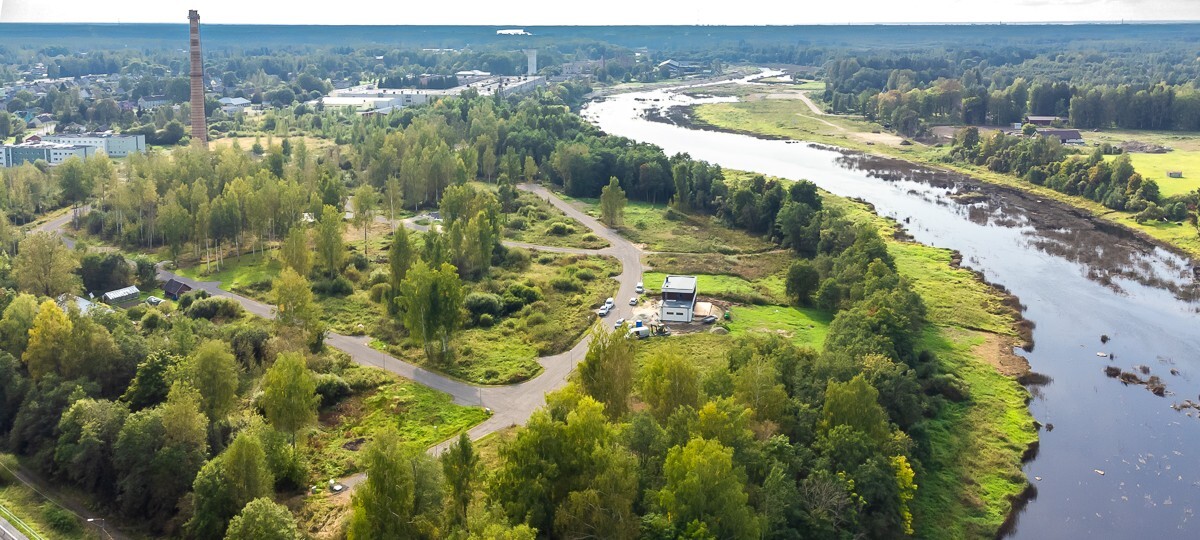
(510, 405)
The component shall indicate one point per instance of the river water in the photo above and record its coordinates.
(1079, 278)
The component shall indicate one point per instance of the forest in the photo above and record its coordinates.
(192, 417)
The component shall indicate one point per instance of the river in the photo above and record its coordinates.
(1119, 461)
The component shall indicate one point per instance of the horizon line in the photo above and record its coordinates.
(765, 25)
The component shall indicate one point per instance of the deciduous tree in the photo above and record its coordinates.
(365, 208)
(44, 266)
(289, 394)
(212, 370)
(432, 305)
(295, 253)
(703, 486)
(262, 519)
(48, 341)
(460, 466)
(607, 372)
(612, 203)
(331, 249)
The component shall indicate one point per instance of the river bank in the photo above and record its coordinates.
(781, 115)
(1079, 277)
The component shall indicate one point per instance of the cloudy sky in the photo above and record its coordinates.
(556, 12)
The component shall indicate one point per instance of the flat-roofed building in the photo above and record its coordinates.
(113, 144)
(13, 155)
(678, 299)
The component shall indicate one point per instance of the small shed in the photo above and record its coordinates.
(174, 288)
(1174, 174)
(121, 296)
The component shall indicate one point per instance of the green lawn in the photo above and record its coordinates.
(1155, 166)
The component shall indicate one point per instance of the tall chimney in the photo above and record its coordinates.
(199, 122)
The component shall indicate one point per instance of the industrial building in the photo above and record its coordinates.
(110, 143)
(368, 97)
(678, 299)
(13, 155)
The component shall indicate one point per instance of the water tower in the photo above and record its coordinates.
(531, 54)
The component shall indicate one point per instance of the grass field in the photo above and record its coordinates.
(542, 224)
(953, 296)
(507, 352)
(661, 229)
(769, 290)
(1155, 166)
(804, 326)
(250, 275)
(974, 469)
(423, 417)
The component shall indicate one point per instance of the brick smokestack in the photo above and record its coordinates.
(199, 122)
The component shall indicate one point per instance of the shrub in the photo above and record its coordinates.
(585, 274)
(217, 307)
(517, 224)
(136, 313)
(535, 319)
(332, 389)
(566, 284)
(640, 224)
(8, 463)
(377, 277)
(589, 237)
(516, 259)
(559, 228)
(60, 520)
(486, 320)
(153, 320)
(359, 261)
(525, 293)
(186, 300)
(379, 292)
(672, 214)
(339, 286)
(479, 303)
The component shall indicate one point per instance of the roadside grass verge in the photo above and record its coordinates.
(250, 275)
(422, 416)
(35, 512)
(538, 222)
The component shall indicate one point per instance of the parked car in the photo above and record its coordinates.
(154, 300)
(633, 301)
(709, 319)
(604, 310)
(639, 289)
(618, 323)
(609, 303)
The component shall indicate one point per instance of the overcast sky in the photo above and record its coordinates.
(592, 12)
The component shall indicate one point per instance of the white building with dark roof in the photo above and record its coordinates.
(678, 299)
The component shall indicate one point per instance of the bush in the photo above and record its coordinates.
(566, 284)
(217, 307)
(8, 463)
(479, 303)
(640, 224)
(589, 237)
(186, 300)
(339, 286)
(359, 261)
(559, 228)
(486, 320)
(517, 224)
(377, 277)
(60, 520)
(153, 320)
(332, 389)
(379, 292)
(585, 274)
(535, 319)
(672, 214)
(516, 259)
(135, 313)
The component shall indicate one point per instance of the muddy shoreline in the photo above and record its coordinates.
(1047, 215)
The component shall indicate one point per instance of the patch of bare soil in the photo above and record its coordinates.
(997, 351)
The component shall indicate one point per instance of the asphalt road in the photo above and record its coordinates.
(509, 405)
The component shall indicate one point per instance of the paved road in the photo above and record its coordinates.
(510, 405)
